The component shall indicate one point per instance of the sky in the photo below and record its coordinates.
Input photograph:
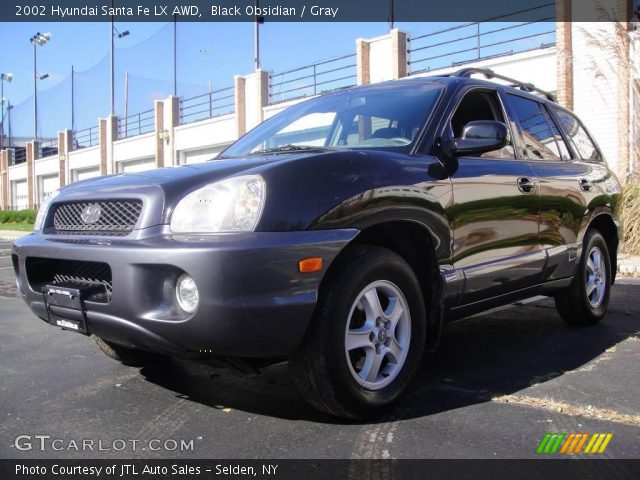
(208, 53)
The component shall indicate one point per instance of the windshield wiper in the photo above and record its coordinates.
(292, 148)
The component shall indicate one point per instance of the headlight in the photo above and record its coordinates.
(231, 205)
(42, 211)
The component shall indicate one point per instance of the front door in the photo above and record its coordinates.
(495, 213)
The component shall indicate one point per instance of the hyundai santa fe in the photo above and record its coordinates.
(339, 235)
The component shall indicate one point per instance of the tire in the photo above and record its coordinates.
(332, 376)
(575, 305)
(131, 357)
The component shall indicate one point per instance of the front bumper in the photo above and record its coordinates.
(253, 300)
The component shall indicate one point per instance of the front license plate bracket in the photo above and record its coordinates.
(65, 306)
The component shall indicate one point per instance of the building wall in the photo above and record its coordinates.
(595, 84)
(537, 67)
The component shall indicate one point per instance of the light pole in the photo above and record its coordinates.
(38, 39)
(114, 33)
(256, 36)
(4, 77)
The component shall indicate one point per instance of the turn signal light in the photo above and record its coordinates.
(308, 265)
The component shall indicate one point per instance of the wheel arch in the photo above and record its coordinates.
(414, 242)
(604, 223)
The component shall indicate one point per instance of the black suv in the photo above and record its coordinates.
(339, 234)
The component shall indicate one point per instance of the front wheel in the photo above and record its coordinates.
(586, 300)
(367, 337)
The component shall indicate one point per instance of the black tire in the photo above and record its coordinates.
(573, 303)
(323, 371)
(131, 357)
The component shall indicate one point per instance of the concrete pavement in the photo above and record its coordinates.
(498, 384)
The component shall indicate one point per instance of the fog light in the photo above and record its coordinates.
(187, 293)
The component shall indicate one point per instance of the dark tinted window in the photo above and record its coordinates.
(562, 145)
(538, 135)
(575, 132)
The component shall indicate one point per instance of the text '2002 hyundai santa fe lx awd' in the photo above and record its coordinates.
(339, 234)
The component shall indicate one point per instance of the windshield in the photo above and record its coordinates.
(387, 116)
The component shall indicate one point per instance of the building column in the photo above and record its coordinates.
(158, 115)
(252, 95)
(62, 159)
(65, 170)
(399, 53)
(240, 104)
(107, 134)
(564, 54)
(363, 61)
(32, 153)
(102, 141)
(112, 136)
(382, 58)
(171, 120)
(4, 178)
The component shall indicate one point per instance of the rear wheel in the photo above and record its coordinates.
(367, 338)
(586, 300)
(128, 356)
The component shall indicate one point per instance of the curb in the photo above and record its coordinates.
(629, 265)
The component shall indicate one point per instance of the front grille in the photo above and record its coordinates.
(70, 273)
(115, 218)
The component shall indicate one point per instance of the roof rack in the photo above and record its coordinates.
(489, 74)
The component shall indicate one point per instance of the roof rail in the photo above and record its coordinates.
(489, 74)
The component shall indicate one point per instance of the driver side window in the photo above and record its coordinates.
(481, 105)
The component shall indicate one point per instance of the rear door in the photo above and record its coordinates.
(496, 210)
(568, 184)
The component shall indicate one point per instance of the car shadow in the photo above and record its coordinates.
(498, 353)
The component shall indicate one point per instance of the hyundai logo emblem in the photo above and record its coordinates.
(91, 213)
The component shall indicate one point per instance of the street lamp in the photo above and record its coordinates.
(38, 39)
(114, 33)
(4, 77)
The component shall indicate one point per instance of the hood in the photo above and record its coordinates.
(161, 189)
(181, 176)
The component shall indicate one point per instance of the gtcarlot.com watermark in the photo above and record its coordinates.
(47, 443)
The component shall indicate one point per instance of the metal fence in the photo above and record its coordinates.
(19, 155)
(137, 124)
(87, 137)
(339, 72)
(212, 104)
(470, 42)
(48, 148)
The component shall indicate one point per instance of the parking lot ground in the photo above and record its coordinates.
(497, 385)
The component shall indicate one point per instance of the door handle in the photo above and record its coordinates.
(525, 185)
(585, 185)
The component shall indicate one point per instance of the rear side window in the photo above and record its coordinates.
(564, 151)
(578, 136)
(537, 133)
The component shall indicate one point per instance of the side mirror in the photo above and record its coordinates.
(478, 137)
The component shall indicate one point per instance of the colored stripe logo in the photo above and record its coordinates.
(574, 443)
